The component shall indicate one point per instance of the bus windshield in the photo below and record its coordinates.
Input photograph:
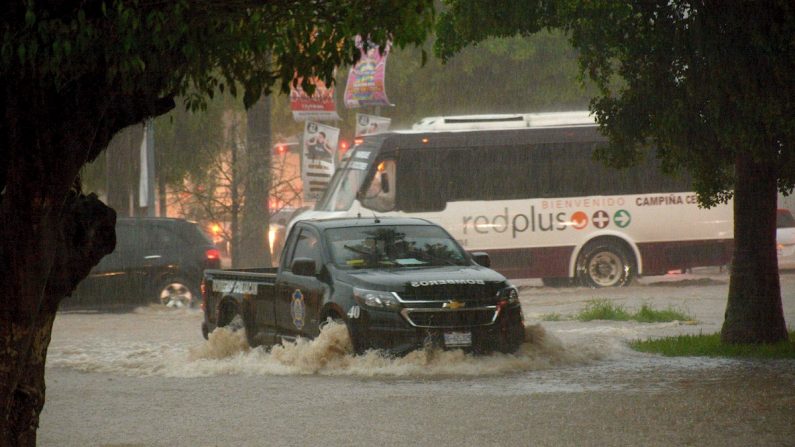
(342, 191)
(399, 246)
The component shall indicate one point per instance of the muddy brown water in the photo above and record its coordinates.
(147, 378)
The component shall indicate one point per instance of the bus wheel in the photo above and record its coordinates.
(557, 282)
(605, 263)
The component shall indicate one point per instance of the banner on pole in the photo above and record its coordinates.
(365, 85)
(371, 124)
(318, 107)
(318, 157)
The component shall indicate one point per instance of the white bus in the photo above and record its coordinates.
(530, 194)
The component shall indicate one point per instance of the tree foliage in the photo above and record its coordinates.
(74, 73)
(702, 80)
(186, 140)
(513, 75)
(710, 83)
(516, 74)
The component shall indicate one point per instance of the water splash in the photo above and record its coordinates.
(226, 352)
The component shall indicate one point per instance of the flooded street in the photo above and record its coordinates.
(148, 378)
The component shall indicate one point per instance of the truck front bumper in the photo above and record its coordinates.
(399, 333)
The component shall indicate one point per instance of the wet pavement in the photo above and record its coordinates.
(147, 378)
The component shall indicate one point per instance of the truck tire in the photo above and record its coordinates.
(605, 263)
(250, 324)
(356, 338)
(229, 315)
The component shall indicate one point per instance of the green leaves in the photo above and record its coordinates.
(703, 82)
(167, 48)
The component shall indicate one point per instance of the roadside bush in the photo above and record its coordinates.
(602, 309)
(647, 314)
(711, 346)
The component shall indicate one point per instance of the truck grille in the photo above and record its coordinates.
(438, 318)
(465, 292)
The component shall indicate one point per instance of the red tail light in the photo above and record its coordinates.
(213, 254)
(212, 258)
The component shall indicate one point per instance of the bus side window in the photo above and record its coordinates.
(380, 192)
(421, 183)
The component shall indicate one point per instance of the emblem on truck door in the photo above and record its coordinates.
(298, 309)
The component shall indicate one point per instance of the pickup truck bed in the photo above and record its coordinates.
(224, 293)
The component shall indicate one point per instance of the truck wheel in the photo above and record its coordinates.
(356, 339)
(229, 316)
(250, 324)
(605, 263)
(176, 292)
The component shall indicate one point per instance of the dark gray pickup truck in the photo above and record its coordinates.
(396, 283)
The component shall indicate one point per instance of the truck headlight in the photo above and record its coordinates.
(510, 295)
(375, 298)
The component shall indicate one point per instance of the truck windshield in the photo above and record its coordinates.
(398, 246)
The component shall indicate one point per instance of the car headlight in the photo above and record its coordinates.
(510, 295)
(375, 298)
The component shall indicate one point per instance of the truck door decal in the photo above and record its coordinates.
(227, 286)
(298, 309)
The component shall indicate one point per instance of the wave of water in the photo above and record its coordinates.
(227, 352)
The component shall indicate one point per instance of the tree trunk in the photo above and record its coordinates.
(754, 312)
(51, 235)
(28, 398)
(73, 238)
(255, 249)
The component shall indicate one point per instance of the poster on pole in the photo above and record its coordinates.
(318, 154)
(320, 106)
(365, 85)
(371, 124)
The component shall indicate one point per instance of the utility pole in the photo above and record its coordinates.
(146, 186)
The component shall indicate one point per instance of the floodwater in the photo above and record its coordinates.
(148, 378)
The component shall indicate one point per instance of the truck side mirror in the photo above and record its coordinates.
(482, 258)
(303, 267)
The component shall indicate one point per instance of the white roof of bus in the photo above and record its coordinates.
(505, 121)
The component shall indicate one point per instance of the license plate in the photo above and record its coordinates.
(457, 339)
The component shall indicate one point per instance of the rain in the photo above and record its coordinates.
(439, 237)
(150, 367)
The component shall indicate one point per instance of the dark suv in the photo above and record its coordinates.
(155, 260)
